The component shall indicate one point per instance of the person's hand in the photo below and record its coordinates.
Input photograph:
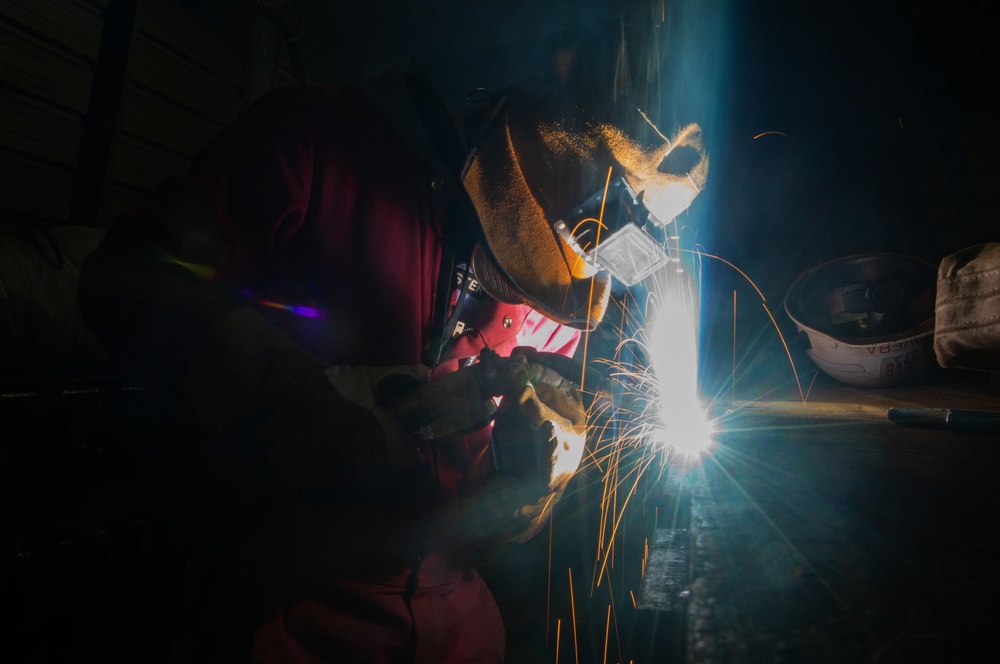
(549, 407)
(539, 438)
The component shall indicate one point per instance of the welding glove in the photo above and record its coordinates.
(317, 437)
(539, 438)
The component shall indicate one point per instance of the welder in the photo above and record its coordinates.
(337, 299)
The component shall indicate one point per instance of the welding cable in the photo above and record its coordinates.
(951, 419)
(596, 384)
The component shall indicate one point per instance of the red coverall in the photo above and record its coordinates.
(333, 231)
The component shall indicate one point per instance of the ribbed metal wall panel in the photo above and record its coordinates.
(70, 25)
(185, 84)
(30, 189)
(47, 50)
(147, 120)
(44, 132)
(187, 69)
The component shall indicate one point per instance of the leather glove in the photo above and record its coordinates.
(539, 438)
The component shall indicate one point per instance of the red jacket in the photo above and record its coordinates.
(313, 211)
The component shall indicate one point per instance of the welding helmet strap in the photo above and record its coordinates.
(458, 244)
(439, 337)
(410, 105)
(463, 290)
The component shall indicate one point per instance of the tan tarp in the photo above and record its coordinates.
(967, 312)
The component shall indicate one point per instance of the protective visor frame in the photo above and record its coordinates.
(619, 234)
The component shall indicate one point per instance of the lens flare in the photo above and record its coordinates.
(678, 419)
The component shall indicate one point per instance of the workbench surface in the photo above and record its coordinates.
(822, 532)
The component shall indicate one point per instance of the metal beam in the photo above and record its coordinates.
(104, 112)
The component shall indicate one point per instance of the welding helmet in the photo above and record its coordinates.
(869, 318)
(571, 196)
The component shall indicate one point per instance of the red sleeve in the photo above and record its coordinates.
(167, 270)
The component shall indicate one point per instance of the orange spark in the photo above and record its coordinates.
(607, 631)
(719, 258)
(765, 133)
(572, 606)
(732, 399)
(590, 300)
(787, 351)
(621, 515)
(558, 634)
(763, 299)
(810, 386)
(548, 592)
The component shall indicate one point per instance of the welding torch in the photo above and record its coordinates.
(443, 409)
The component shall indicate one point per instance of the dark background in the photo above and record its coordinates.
(833, 129)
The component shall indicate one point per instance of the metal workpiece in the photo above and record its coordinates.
(667, 575)
(666, 581)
